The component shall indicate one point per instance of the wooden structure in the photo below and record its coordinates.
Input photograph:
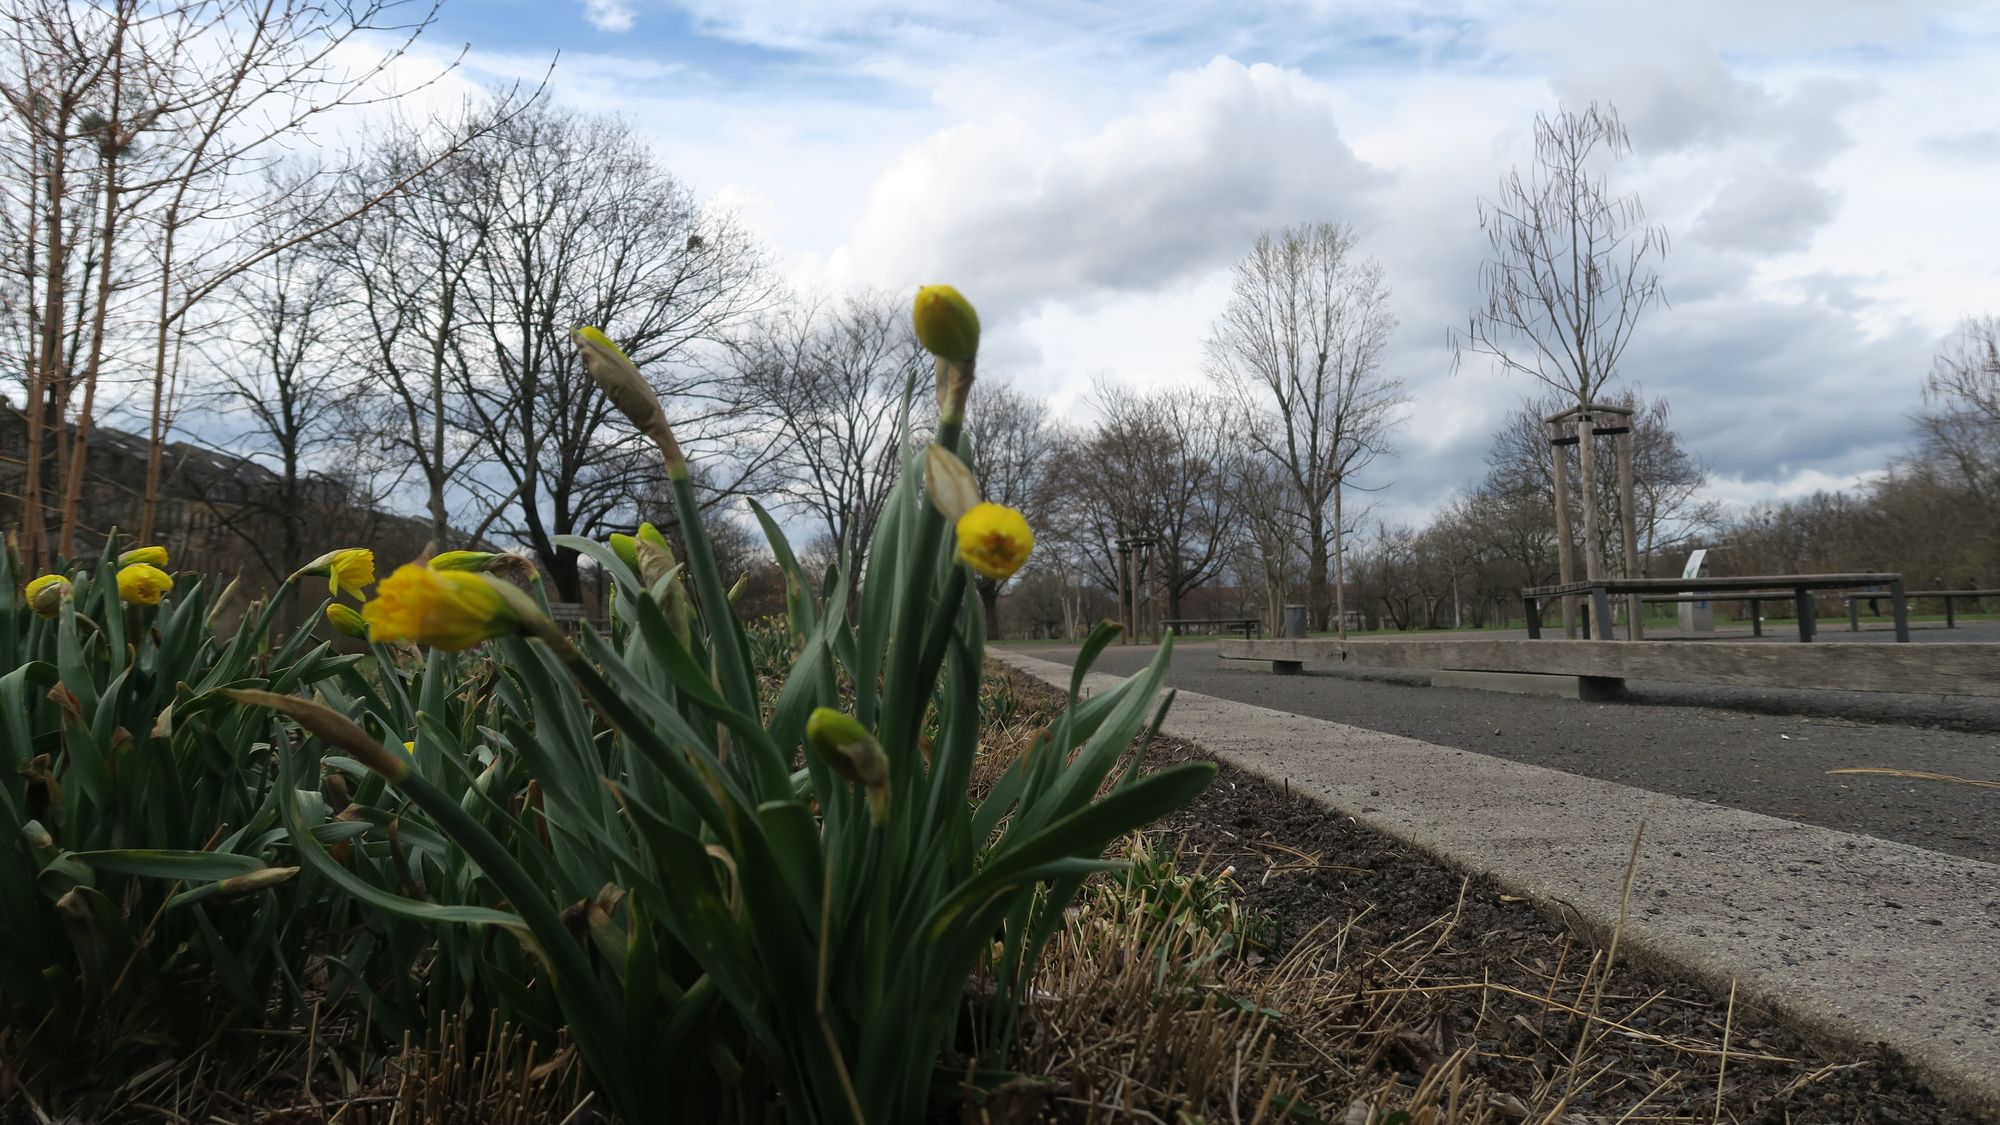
(1243, 625)
(1800, 585)
(1950, 669)
(1948, 597)
(1135, 584)
(1579, 426)
(1756, 598)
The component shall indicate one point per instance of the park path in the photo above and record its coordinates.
(1704, 743)
(1855, 936)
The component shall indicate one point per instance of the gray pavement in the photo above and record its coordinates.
(1849, 934)
(1760, 751)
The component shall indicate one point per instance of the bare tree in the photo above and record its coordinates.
(1301, 343)
(407, 265)
(1156, 466)
(582, 226)
(1570, 272)
(138, 138)
(286, 385)
(831, 378)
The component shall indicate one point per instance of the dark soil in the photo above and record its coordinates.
(1397, 891)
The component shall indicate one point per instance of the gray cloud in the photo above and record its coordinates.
(1768, 213)
(1977, 145)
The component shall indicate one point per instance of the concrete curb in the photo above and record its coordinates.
(1857, 938)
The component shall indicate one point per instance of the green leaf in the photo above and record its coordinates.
(159, 863)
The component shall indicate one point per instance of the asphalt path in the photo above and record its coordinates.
(1762, 751)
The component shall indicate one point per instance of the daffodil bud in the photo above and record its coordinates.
(853, 753)
(954, 490)
(946, 324)
(224, 616)
(615, 372)
(654, 553)
(346, 620)
(45, 595)
(261, 879)
(336, 729)
(626, 548)
(464, 560)
(151, 556)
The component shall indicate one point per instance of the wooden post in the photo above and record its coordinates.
(1565, 568)
(1586, 485)
(1636, 628)
(1133, 589)
(1118, 573)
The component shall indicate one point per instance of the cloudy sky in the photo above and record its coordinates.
(1088, 170)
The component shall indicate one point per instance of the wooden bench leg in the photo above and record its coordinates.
(1899, 606)
(1950, 616)
(1854, 615)
(1601, 601)
(1802, 599)
(1533, 611)
(1756, 618)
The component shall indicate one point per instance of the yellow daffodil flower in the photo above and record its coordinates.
(349, 569)
(410, 748)
(946, 324)
(995, 540)
(346, 620)
(143, 583)
(45, 594)
(447, 609)
(151, 556)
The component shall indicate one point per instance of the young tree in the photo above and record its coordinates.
(1300, 343)
(1667, 480)
(1570, 272)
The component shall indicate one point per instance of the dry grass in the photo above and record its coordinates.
(1133, 1020)
(318, 1075)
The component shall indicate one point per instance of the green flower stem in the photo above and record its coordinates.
(591, 1018)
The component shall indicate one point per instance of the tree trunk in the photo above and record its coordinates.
(1339, 565)
(1316, 567)
(989, 601)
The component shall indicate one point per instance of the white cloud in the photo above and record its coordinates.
(609, 15)
(1180, 184)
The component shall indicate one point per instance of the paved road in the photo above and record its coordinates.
(1764, 751)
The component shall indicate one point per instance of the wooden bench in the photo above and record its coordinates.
(1243, 625)
(1800, 586)
(1756, 598)
(1929, 669)
(1946, 596)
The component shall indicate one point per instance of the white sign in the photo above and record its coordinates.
(1695, 561)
